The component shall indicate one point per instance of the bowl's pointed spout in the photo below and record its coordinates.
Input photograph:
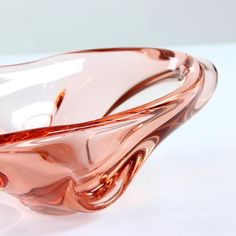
(75, 128)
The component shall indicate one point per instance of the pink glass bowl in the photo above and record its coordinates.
(75, 128)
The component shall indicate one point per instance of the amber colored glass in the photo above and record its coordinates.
(75, 128)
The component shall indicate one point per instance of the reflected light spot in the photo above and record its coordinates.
(14, 81)
(33, 116)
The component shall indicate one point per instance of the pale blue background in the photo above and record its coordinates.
(33, 26)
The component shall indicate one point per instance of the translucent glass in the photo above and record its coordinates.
(75, 128)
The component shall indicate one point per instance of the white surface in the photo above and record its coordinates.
(187, 187)
(33, 26)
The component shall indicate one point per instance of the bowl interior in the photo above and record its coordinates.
(82, 86)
